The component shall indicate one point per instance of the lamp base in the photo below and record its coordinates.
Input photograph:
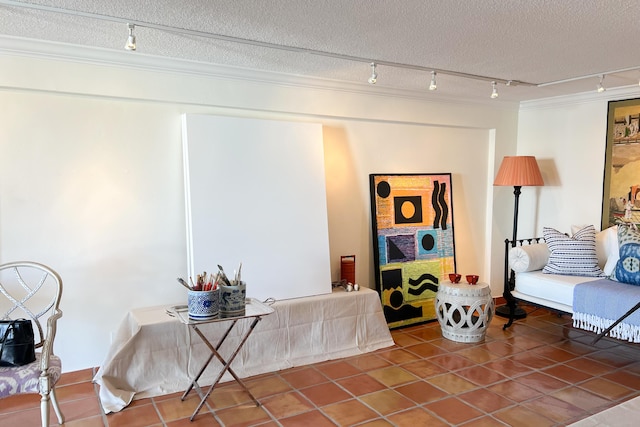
(503, 311)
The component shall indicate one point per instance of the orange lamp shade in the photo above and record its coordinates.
(519, 171)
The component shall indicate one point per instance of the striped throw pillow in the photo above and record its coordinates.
(572, 256)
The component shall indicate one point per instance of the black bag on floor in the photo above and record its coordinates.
(16, 342)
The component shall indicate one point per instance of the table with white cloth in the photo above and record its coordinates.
(154, 354)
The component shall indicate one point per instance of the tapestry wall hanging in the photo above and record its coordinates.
(621, 192)
(413, 243)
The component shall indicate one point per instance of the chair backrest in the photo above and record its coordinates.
(32, 291)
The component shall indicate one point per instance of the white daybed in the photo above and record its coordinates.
(527, 279)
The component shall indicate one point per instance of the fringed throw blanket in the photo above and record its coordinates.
(599, 303)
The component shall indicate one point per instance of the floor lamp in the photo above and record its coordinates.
(516, 171)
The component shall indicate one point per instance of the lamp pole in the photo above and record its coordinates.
(516, 193)
(504, 310)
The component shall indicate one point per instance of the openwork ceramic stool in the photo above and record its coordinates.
(464, 311)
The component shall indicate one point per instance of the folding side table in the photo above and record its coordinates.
(254, 310)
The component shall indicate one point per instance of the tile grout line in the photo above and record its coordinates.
(539, 340)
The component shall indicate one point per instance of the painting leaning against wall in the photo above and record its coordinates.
(621, 192)
(413, 243)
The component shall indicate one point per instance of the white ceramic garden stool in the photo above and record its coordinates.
(464, 311)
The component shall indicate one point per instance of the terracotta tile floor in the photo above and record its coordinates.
(540, 372)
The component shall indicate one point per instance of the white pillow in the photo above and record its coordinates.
(607, 248)
(573, 256)
(575, 228)
(528, 257)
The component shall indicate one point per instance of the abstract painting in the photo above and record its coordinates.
(413, 243)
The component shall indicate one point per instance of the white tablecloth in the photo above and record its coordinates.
(154, 354)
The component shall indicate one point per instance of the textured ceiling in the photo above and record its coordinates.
(535, 41)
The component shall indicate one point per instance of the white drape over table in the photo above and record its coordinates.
(154, 354)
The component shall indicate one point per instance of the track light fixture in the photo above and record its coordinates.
(131, 40)
(433, 85)
(494, 91)
(374, 76)
(600, 87)
(131, 44)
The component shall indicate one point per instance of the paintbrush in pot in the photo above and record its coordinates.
(183, 283)
(238, 274)
(223, 276)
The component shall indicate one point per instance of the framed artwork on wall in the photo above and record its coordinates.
(413, 243)
(621, 191)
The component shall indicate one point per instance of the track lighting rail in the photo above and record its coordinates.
(185, 31)
(373, 62)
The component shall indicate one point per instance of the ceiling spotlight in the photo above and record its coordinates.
(600, 87)
(433, 85)
(374, 76)
(131, 40)
(494, 92)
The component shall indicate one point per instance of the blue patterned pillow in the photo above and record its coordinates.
(572, 256)
(628, 267)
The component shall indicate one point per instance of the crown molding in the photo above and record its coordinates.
(615, 94)
(57, 51)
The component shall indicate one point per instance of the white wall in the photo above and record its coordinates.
(568, 137)
(356, 149)
(91, 179)
(247, 206)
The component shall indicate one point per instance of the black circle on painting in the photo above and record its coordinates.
(396, 299)
(383, 189)
(428, 242)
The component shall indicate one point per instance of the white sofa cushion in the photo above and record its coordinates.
(550, 290)
(535, 256)
(607, 249)
(606, 246)
(528, 257)
(573, 256)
